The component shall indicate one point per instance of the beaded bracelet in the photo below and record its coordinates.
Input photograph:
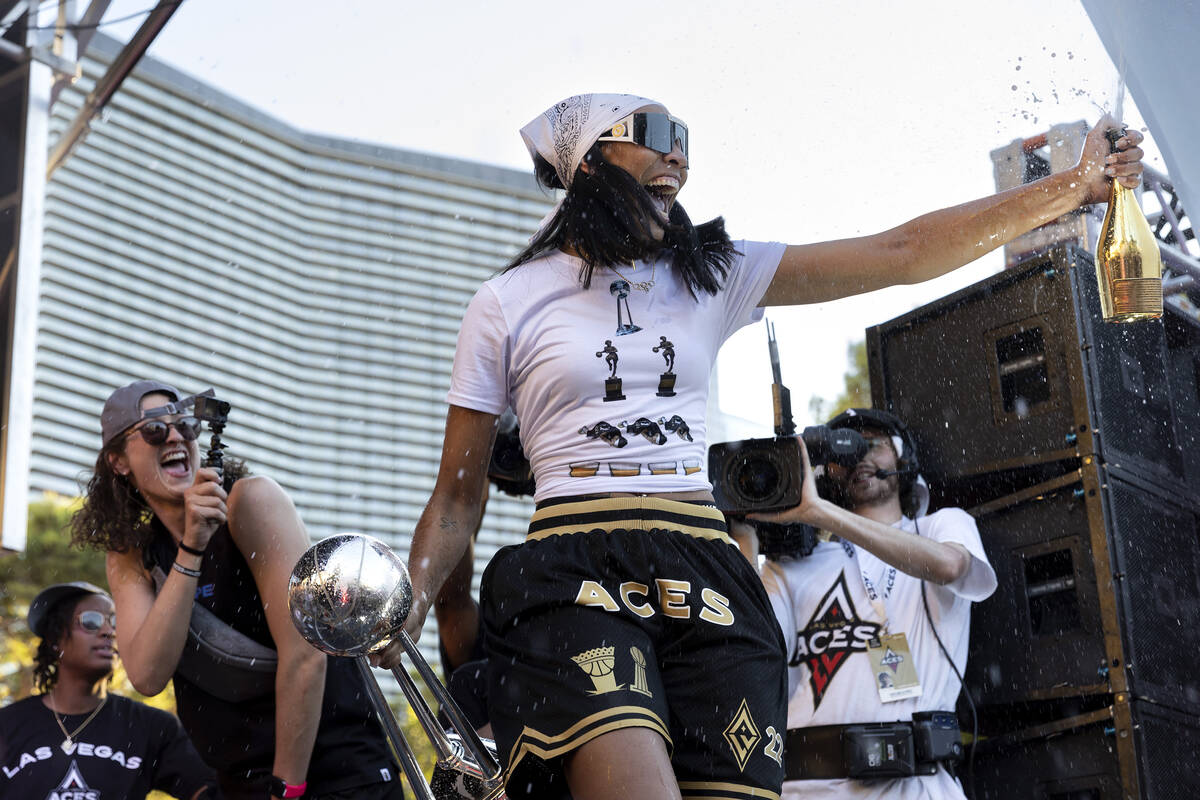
(191, 573)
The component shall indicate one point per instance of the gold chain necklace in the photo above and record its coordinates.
(641, 286)
(68, 744)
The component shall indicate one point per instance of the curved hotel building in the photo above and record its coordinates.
(316, 283)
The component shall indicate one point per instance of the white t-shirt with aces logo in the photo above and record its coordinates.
(827, 619)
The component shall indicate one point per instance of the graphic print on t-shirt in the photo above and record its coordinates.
(647, 429)
(620, 290)
(73, 786)
(832, 635)
(677, 426)
(605, 433)
(666, 380)
(612, 384)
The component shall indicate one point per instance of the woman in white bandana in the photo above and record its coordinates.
(632, 651)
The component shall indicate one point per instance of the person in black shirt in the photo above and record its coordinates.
(75, 739)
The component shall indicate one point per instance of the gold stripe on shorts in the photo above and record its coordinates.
(713, 790)
(546, 747)
(644, 514)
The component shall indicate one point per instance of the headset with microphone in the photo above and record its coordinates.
(908, 467)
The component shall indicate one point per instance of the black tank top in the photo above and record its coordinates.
(238, 740)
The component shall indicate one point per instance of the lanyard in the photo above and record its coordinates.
(878, 601)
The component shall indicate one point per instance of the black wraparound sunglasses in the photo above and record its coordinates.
(156, 431)
(652, 129)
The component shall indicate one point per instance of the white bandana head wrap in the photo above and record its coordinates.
(563, 133)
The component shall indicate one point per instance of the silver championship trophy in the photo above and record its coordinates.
(349, 596)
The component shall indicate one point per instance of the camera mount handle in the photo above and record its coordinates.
(215, 412)
(781, 398)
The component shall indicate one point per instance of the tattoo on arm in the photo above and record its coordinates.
(448, 524)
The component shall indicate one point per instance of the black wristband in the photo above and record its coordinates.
(184, 547)
(191, 573)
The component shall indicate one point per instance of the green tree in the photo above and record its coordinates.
(48, 558)
(857, 391)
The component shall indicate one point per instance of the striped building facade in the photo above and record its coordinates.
(317, 283)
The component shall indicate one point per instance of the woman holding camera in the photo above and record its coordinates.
(613, 631)
(191, 553)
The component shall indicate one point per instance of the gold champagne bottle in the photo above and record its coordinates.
(1128, 266)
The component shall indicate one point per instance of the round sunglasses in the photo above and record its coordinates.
(156, 431)
(93, 621)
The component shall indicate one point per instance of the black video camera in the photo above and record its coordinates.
(768, 474)
(777, 540)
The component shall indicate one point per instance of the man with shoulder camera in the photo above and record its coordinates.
(876, 621)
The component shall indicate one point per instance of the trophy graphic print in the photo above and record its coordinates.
(612, 384)
(666, 380)
(620, 289)
(598, 663)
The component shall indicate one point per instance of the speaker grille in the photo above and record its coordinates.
(1020, 369)
(1041, 634)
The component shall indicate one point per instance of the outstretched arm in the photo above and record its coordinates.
(450, 517)
(938, 242)
(268, 532)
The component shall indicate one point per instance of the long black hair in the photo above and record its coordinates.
(608, 218)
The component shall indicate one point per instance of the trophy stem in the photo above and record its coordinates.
(401, 752)
(487, 764)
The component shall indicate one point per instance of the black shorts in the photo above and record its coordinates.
(634, 612)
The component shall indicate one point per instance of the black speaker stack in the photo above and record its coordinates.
(1075, 443)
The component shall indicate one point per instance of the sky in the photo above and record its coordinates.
(808, 120)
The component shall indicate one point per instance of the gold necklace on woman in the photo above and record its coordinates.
(641, 286)
(68, 744)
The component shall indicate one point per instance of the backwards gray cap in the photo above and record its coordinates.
(51, 596)
(123, 408)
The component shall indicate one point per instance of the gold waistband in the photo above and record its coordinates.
(638, 513)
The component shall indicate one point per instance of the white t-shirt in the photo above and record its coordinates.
(827, 618)
(610, 391)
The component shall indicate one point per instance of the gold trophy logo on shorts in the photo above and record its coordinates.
(639, 673)
(598, 664)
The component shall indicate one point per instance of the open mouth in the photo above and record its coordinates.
(176, 462)
(863, 474)
(662, 191)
